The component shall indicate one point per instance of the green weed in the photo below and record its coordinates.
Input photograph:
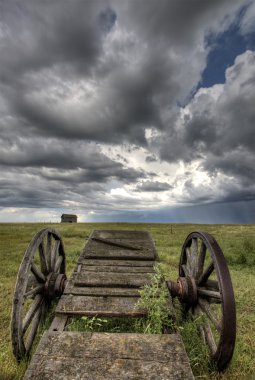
(155, 299)
(96, 324)
(86, 324)
(196, 350)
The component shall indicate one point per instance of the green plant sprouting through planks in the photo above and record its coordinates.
(155, 299)
(97, 324)
(86, 324)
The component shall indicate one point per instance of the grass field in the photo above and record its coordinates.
(236, 241)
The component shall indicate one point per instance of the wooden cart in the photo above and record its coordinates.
(111, 269)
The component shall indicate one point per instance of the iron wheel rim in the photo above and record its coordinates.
(44, 245)
(225, 346)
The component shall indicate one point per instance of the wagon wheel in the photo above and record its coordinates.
(40, 279)
(205, 290)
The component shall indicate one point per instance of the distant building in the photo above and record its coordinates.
(68, 218)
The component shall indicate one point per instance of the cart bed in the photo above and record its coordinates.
(111, 269)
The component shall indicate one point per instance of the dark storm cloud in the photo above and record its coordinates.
(151, 158)
(35, 192)
(40, 34)
(126, 101)
(136, 67)
(29, 195)
(151, 186)
(98, 175)
(62, 155)
(76, 73)
(32, 170)
(64, 180)
(237, 164)
(179, 21)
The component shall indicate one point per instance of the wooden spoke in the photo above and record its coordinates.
(34, 291)
(44, 309)
(203, 278)
(188, 255)
(33, 330)
(197, 311)
(206, 332)
(193, 256)
(205, 306)
(38, 274)
(32, 282)
(201, 259)
(43, 259)
(209, 293)
(212, 285)
(31, 313)
(54, 253)
(58, 264)
(49, 250)
(202, 333)
(185, 269)
(209, 338)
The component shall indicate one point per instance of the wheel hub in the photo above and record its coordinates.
(185, 289)
(55, 285)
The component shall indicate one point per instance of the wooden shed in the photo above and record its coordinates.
(68, 218)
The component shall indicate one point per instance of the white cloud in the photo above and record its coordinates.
(219, 127)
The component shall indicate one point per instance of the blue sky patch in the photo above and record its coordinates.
(224, 49)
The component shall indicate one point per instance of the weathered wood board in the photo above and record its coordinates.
(101, 306)
(87, 356)
(99, 252)
(136, 245)
(100, 291)
(115, 269)
(122, 234)
(127, 263)
(105, 279)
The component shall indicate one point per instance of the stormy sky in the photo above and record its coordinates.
(127, 110)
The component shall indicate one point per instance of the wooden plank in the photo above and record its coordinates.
(127, 263)
(121, 280)
(114, 269)
(76, 355)
(121, 234)
(99, 291)
(120, 245)
(117, 253)
(58, 323)
(106, 306)
(125, 243)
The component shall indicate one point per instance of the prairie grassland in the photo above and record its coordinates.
(236, 241)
